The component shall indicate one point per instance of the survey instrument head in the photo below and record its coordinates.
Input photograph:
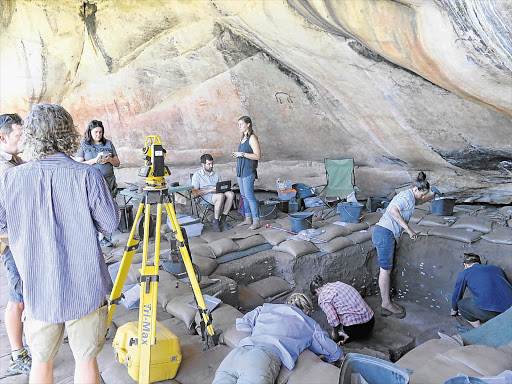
(154, 169)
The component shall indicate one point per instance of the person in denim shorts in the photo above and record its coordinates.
(10, 131)
(387, 232)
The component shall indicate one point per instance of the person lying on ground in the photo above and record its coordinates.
(278, 334)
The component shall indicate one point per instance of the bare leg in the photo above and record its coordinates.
(14, 325)
(41, 373)
(218, 204)
(87, 372)
(228, 203)
(384, 285)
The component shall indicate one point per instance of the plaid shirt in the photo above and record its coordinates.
(343, 304)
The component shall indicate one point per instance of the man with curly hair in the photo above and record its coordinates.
(278, 335)
(52, 207)
(10, 132)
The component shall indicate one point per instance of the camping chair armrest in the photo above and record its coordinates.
(313, 188)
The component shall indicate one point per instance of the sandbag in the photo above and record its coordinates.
(480, 223)
(222, 246)
(169, 287)
(485, 360)
(271, 286)
(231, 336)
(353, 227)
(416, 216)
(212, 236)
(201, 250)
(284, 223)
(419, 229)
(224, 317)
(499, 235)
(360, 236)
(225, 289)
(436, 221)
(274, 236)
(205, 264)
(179, 307)
(201, 368)
(310, 369)
(249, 242)
(296, 248)
(371, 218)
(248, 299)
(335, 244)
(455, 234)
(332, 231)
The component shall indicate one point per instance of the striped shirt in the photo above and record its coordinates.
(343, 304)
(52, 209)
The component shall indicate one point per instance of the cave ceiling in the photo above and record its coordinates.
(398, 85)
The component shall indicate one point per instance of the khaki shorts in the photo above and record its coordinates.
(86, 336)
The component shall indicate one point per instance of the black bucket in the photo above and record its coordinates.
(442, 206)
(268, 210)
(126, 222)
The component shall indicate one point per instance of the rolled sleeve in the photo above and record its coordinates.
(323, 345)
(195, 181)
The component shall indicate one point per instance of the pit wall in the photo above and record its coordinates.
(425, 270)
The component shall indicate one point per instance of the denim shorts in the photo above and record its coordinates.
(384, 241)
(13, 277)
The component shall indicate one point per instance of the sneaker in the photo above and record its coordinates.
(21, 365)
(106, 242)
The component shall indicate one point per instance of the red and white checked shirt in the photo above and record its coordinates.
(343, 304)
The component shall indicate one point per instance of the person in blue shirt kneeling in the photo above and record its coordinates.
(490, 287)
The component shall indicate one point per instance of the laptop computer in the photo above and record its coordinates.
(223, 186)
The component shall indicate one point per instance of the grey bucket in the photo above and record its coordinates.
(442, 206)
(350, 211)
(300, 221)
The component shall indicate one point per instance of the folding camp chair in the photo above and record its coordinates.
(340, 184)
(205, 209)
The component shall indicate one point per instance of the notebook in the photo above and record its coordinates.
(223, 186)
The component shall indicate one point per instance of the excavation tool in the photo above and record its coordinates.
(149, 350)
(307, 237)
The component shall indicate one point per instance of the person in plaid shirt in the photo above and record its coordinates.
(346, 311)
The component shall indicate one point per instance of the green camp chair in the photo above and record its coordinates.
(340, 183)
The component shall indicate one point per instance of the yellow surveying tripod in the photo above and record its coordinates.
(155, 192)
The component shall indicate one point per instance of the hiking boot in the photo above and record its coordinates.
(216, 226)
(106, 242)
(224, 224)
(21, 365)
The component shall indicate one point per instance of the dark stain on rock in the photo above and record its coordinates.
(44, 69)
(233, 47)
(6, 11)
(365, 51)
(475, 158)
(88, 15)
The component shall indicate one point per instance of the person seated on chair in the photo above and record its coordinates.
(204, 182)
(491, 290)
(347, 313)
(278, 335)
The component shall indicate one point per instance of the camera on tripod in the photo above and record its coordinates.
(154, 169)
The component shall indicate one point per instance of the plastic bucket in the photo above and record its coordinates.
(350, 212)
(268, 210)
(126, 222)
(300, 220)
(442, 206)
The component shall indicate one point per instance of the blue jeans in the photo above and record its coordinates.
(371, 369)
(13, 277)
(246, 185)
(384, 241)
(249, 364)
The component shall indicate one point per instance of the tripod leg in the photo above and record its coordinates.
(190, 269)
(126, 262)
(148, 298)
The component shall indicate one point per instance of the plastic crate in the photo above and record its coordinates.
(286, 195)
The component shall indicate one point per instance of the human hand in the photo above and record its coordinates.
(237, 154)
